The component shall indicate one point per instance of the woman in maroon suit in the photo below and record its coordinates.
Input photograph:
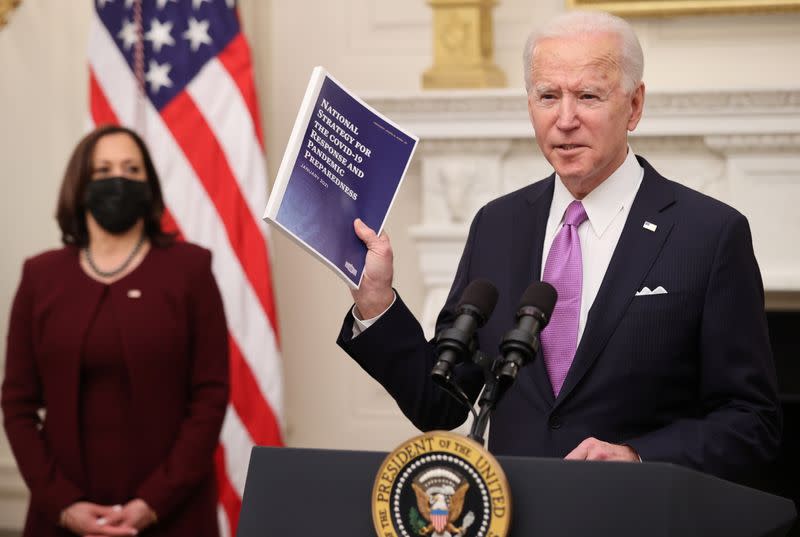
(116, 377)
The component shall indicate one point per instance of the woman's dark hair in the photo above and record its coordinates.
(71, 211)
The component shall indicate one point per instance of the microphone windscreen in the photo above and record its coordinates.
(482, 295)
(540, 295)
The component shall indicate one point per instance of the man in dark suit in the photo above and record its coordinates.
(657, 349)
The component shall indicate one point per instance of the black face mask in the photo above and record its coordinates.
(117, 203)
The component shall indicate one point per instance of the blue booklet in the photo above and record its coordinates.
(344, 160)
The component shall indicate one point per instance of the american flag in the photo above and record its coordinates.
(179, 73)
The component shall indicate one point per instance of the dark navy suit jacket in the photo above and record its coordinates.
(684, 377)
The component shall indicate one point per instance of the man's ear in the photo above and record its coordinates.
(637, 106)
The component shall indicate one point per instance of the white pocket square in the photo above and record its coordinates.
(657, 291)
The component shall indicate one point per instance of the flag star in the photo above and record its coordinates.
(102, 3)
(197, 3)
(158, 76)
(160, 34)
(163, 3)
(197, 33)
(231, 3)
(128, 4)
(128, 34)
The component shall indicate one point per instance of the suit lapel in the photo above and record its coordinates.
(635, 253)
(529, 225)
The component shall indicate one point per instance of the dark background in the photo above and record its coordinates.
(784, 331)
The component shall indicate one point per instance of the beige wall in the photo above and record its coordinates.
(376, 47)
(42, 113)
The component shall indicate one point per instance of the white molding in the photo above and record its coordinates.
(502, 113)
(755, 143)
(379, 25)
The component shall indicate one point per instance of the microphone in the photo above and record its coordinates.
(452, 344)
(520, 344)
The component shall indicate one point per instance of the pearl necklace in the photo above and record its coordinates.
(123, 266)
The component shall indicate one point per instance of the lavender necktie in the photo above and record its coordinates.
(564, 271)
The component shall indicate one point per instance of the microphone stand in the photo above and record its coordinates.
(519, 347)
(488, 400)
(490, 396)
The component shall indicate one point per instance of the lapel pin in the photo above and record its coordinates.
(649, 226)
(134, 293)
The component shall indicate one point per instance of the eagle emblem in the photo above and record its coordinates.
(440, 496)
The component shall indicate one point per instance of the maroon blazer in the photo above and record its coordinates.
(176, 353)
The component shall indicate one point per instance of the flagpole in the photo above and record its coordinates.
(138, 70)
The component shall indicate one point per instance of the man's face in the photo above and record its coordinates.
(579, 109)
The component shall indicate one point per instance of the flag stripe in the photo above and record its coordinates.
(236, 59)
(101, 112)
(238, 447)
(217, 98)
(219, 101)
(225, 529)
(169, 225)
(228, 497)
(249, 402)
(202, 149)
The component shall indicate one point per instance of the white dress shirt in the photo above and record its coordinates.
(607, 208)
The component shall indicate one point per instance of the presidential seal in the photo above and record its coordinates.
(441, 484)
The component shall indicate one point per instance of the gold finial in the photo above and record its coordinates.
(5, 9)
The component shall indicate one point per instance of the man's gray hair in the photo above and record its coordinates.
(577, 23)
